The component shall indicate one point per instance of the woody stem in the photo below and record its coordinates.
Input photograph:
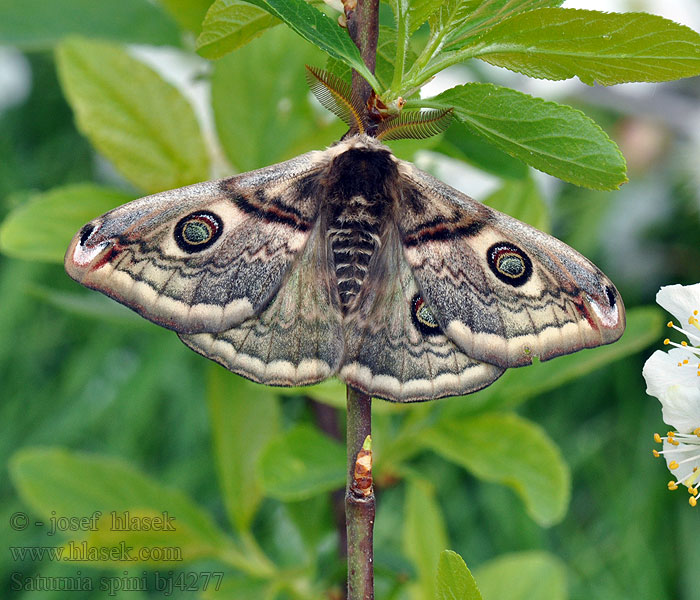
(359, 500)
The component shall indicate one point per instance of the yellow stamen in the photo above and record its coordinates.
(671, 434)
(655, 453)
(685, 362)
(696, 431)
(673, 465)
(669, 324)
(693, 501)
(672, 485)
(674, 442)
(684, 343)
(693, 491)
(667, 342)
(657, 437)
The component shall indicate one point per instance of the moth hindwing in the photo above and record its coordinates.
(353, 263)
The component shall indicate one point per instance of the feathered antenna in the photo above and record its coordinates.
(374, 118)
(337, 96)
(415, 124)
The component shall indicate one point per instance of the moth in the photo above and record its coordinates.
(349, 262)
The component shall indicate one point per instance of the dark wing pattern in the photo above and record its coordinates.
(500, 289)
(297, 340)
(393, 350)
(205, 257)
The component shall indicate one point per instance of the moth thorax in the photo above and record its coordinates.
(354, 236)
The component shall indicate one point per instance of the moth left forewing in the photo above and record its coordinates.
(204, 257)
(503, 291)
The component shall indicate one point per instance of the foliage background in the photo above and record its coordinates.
(79, 374)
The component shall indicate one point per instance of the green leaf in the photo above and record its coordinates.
(320, 30)
(260, 97)
(644, 326)
(424, 535)
(484, 14)
(236, 588)
(507, 449)
(523, 576)
(230, 24)
(188, 13)
(414, 12)
(462, 143)
(42, 228)
(40, 24)
(551, 137)
(302, 463)
(607, 48)
(450, 14)
(522, 200)
(244, 417)
(57, 483)
(454, 581)
(132, 116)
(88, 305)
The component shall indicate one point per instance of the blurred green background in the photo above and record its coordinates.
(79, 373)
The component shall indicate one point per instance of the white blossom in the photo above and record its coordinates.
(674, 378)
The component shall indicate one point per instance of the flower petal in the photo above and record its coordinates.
(680, 300)
(681, 408)
(679, 454)
(661, 371)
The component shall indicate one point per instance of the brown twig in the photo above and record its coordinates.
(359, 497)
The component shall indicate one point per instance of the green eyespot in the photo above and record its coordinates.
(198, 231)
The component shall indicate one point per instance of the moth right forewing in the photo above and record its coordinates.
(501, 290)
(205, 257)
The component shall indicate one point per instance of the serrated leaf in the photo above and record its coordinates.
(244, 418)
(141, 123)
(450, 14)
(607, 48)
(644, 326)
(262, 106)
(551, 137)
(507, 449)
(454, 580)
(42, 228)
(487, 13)
(230, 24)
(414, 12)
(424, 535)
(56, 482)
(188, 13)
(302, 463)
(40, 24)
(320, 30)
(462, 143)
(523, 576)
(522, 200)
